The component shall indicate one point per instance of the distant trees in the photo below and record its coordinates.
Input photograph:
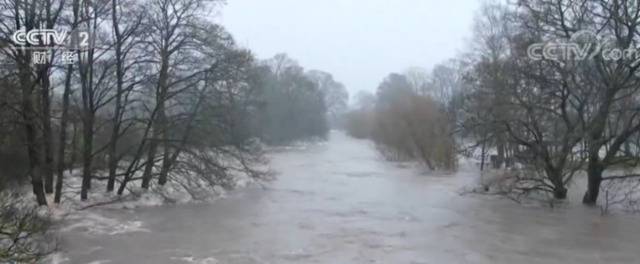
(336, 97)
(360, 121)
(406, 125)
(293, 104)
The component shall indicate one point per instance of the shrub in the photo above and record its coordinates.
(24, 236)
(415, 127)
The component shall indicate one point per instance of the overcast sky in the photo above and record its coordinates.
(358, 41)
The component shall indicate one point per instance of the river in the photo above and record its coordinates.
(340, 202)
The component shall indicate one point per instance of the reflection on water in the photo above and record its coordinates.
(339, 202)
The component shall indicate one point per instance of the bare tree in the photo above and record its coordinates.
(599, 83)
(94, 71)
(171, 23)
(125, 43)
(523, 103)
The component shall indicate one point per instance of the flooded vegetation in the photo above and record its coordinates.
(251, 131)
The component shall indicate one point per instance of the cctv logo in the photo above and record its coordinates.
(50, 38)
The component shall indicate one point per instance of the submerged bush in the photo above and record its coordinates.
(24, 236)
(406, 125)
(416, 128)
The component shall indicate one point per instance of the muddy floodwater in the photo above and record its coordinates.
(340, 202)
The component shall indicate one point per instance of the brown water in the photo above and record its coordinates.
(339, 202)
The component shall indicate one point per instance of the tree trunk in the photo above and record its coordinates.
(34, 161)
(73, 159)
(132, 165)
(170, 158)
(153, 147)
(166, 166)
(594, 177)
(159, 123)
(151, 156)
(113, 160)
(47, 167)
(482, 154)
(560, 193)
(87, 154)
(115, 132)
(38, 188)
(501, 152)
(28, 116)
(555, 176)
(138, 156)
(63, 134)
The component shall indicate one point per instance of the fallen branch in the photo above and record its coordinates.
(117, 200)
(621, 177)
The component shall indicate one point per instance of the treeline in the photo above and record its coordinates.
(298, 104)
(409, 118)
(549, 89)
(160, 94)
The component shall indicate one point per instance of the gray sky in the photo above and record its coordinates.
(358, 41)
